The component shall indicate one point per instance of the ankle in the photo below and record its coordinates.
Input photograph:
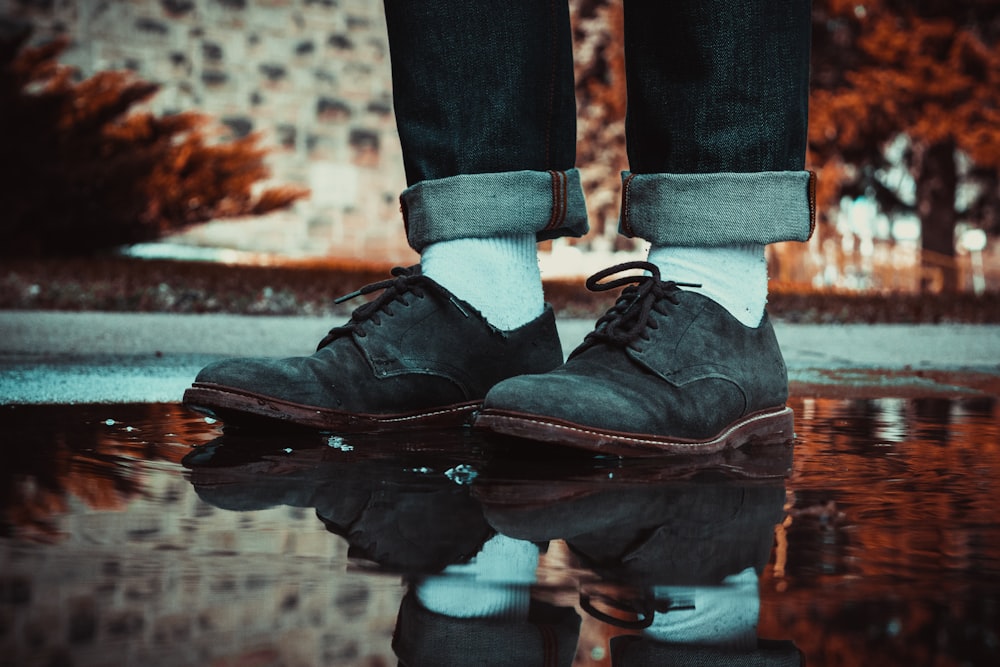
(735, 277)
(498, 276)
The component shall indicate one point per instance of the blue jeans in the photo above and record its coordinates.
(715, 127)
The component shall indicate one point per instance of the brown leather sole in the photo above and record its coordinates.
(767, 427)
(235, 406)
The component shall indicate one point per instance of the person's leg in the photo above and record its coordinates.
(716, 134)
(481, 88)
(485, 110)
(716, 141)
(486, 114)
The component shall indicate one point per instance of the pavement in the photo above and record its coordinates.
(96, 357)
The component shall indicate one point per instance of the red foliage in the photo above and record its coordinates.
(928, 72)
(929, 78)
(83, 171)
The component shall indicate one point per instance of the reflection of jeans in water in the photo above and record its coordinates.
(716, 120)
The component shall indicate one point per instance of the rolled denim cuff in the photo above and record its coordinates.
(719, 209)
(545, 203)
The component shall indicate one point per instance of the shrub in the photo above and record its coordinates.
(83, 170)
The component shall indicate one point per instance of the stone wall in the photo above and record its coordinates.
(311, 76)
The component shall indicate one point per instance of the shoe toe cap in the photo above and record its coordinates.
(285, 380)
(242, 373)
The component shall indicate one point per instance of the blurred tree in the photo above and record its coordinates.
(923, 75)
(82, 171)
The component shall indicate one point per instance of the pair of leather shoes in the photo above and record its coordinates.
(665, 371)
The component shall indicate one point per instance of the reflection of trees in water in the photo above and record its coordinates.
(890, 545)
(899, 487)
(891, 628)
(55, 453)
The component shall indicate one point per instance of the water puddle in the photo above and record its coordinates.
(143, 535)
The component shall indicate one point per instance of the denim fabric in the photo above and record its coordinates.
(547, 204)
(482, 87)
(728, 209)
(716, 87)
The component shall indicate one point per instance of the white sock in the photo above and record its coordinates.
(494, 584)
(498, 276)
(735, 277)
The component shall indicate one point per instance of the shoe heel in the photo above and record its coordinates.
(766, 428)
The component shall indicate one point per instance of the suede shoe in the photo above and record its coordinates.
(415, 356)
(665, 371)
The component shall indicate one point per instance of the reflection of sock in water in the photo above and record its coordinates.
(722, 616)
(493, 584)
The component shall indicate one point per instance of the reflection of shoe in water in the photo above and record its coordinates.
(415, 356)
(665, 371)
(687, 532)
(403, 506)
(675, 563)
(533, 472)
(407, 512)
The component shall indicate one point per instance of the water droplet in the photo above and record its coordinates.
(461, 474)
(109, 422)
(337, 442)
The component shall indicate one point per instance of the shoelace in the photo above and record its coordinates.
(628, 319)
(405, 280)
(642, 605)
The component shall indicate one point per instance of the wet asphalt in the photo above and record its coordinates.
(93, 357)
